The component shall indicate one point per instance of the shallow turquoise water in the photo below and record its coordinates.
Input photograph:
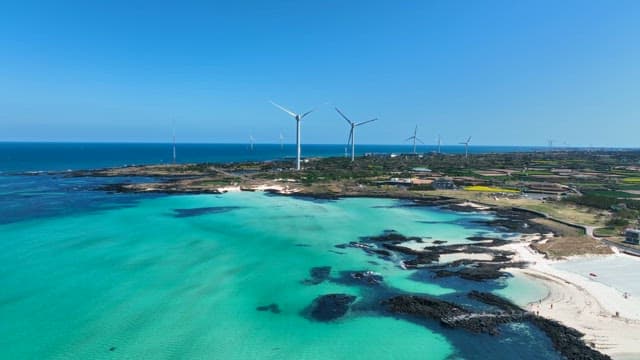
(142, 282)
(522, 290)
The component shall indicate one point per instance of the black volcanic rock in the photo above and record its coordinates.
(480, 271)
(392, 236)
(494, 300)
(330, 307)
(567, 341)
(449, 314)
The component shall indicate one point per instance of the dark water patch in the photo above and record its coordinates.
(331, 306)
(315, 198)
(302, 245)
(382, 252)
(337, 252)
(30, 197)
(441, 222)
(390, 236)
(273, 308)
(460, 285)
(183, 213)
(318, 275)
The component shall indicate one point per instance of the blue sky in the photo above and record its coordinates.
(506, 72)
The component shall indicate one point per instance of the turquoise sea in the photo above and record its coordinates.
(160, 277)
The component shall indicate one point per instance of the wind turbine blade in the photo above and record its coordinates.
(307, 113)
(283, 109)
(350, 138)
(365, 122)
(409, 138)
(469, 140)
(344, 116)
(420, 141)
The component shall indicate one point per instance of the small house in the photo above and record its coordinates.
(443, 183)
(632, 236)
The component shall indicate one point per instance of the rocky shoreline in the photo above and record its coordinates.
(390, 246)
(388, 301)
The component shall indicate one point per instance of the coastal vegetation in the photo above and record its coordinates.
(591, 188)
(492, 189)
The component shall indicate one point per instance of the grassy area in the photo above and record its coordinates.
(560, 247)
(611, 193)
(631, 180)
(491, 189)
(558, 228)
(538, 172)
(557, 209)
(606, 232)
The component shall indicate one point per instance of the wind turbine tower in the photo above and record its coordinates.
(251, 141)
(352, 133)
(466, 147)
(414, 138)
(298, 118)
(281, 142)
(173, 127)
(438, 143)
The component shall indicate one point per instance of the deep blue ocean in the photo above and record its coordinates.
(22, 157)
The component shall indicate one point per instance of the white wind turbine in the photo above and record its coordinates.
(414, 138)
(251, 141)
(352, 133)
(466, 147)
(438, 143)
(173, 129)
(298, 118)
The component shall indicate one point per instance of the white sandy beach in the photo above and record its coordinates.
(585, 304)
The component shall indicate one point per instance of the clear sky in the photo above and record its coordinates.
(507, 72)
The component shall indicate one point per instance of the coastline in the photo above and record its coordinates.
(572, 301)
(585, 305)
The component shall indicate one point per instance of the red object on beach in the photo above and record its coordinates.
(592, 274)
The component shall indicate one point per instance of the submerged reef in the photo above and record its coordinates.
(331, 306)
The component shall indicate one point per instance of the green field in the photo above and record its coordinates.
(490, 189)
